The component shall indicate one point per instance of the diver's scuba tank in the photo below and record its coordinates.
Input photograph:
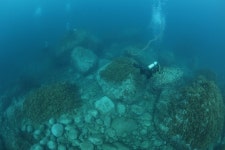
(153, 65)
(149, 70)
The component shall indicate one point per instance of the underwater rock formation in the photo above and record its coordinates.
(191, 118)
(167, 77)
(25, 122)
(104, 105)
(12, 137)
(50, 101)
(121, 80)
(83, 59)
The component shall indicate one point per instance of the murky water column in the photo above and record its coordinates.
(157, 23)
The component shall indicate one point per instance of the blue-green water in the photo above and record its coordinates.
(101, 50)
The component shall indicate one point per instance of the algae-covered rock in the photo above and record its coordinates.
(124, 126)
(104, 105)
(83, 59)
(167, 77)
(57, 130)
(121, 80)
(50, 101)
(118, 70)
(191, 118)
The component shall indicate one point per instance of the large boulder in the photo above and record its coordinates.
(83, 59)
(119, 79)
(50, 101)
(191, 117)
(167, 77)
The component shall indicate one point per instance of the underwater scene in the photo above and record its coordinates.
(112, 75)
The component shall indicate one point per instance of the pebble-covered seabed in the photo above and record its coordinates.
(117, 109)
(100, 123)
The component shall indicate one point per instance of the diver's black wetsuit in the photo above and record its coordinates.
(146, 71)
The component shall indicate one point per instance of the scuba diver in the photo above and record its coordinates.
(149, 70)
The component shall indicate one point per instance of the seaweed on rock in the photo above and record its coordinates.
(119, 70)
(50, 101)
(121, 80)
(191, 118)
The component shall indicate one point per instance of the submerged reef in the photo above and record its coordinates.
(191, 118)
(121, 109)
(119, 79)
(83, 60)
(167, 77)
(118, 70)
(50, 101)
(24, 121)
(118, 112)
